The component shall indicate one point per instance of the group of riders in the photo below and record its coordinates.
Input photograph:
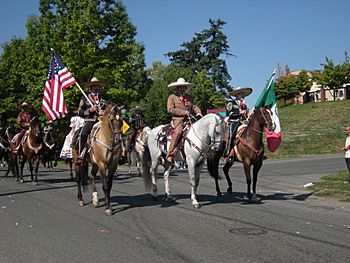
(179, 104)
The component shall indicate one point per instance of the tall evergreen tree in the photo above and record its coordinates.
(205, 52)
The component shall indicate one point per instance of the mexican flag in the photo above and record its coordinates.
(268, 98)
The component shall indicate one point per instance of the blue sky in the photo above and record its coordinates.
(299, 33)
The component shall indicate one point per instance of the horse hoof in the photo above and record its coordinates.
(108, 212)
(21, 181)
(229, 190)
(81, 203)
(95, 204)
(196, 206)
(169, 198)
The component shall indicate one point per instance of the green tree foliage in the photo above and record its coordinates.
(333, 76)
(289, 86)
(155, 103)
(205, 52)
(92, 38)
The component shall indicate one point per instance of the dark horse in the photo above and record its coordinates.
(6, 135)
(30, 151)
(249, 149)
(50, 149)
(105, 150)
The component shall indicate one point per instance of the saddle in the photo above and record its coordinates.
(164, 137)
(18, 144)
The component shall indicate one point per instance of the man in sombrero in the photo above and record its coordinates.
(23, 119)
(236, 112)
(180, 105)
(90, 113)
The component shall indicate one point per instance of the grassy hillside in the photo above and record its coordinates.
(312, 129)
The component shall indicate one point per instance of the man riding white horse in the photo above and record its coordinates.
(180, 105)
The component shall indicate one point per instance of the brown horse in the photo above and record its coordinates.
(30, 151)
(105, 151)
(249, 149)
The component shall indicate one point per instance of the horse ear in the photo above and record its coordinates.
(121, 107)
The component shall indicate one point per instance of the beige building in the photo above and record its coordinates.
(317, 93)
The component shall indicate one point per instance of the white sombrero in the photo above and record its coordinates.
(181, 83)
(243, 91)
(96, 82)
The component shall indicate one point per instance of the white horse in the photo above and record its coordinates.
(140, 147)
(202, 135)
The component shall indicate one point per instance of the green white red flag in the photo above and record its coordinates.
(268, 98)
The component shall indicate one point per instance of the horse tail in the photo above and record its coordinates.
(213, 160)
(146, 166)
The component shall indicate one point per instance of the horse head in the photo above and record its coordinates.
(35, 127)
(264, 117)
(114, 116)
(215, 127)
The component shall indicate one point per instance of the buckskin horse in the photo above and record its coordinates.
(202, 135)
(249, 149)
(105, 150)
(31, 151)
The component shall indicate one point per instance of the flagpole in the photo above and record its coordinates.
(79, 87)
(84, 94)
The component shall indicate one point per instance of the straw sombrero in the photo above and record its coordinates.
(181, 83)
(96, 82)
(25, 105)
(243, 91)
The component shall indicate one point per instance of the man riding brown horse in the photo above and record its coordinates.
(180, 105)
(237, 112)
(90, 113)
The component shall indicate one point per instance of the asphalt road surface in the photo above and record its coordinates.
(45, 224)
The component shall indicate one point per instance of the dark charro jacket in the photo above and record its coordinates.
(84, 106)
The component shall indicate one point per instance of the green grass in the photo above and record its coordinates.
(312, 129)
(316, 129)
(334, 185)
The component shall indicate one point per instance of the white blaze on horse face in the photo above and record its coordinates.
(117, 117)
(273, 125)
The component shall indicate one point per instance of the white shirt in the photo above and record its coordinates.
(347, 143)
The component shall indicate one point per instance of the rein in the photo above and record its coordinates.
(212, 142)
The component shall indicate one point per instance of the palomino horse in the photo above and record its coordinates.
(202, 135)
(106, 149)
(31, 151)
(249, 149)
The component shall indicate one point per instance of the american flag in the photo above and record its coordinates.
(58, 79)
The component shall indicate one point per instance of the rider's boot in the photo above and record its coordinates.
(231, 155)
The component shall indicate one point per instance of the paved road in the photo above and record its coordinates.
(45, 224)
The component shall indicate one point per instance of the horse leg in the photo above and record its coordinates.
(256, 169)
(23, 162)
(79, 179)
(168, 196)
(70, 163)
(153, 172)
(248, 180)
(105, 187)
(37, 161)
(194, 183)
(94, 169)
(226, 170)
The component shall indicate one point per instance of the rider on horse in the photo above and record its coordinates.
(23, 119)
(90, 113)
(137, 122)
(236, 112)
(180, 105)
